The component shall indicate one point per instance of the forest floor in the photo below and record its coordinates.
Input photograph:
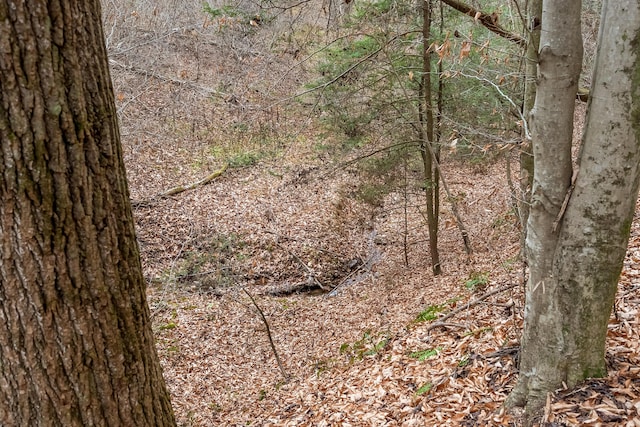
(234, 266)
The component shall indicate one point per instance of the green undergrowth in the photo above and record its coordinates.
(425, 388)
(430, 313)
(478, 280)
(423, 355)
(369, 345)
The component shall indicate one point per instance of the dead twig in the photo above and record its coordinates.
(452, 325)
(442, 321)
(266, 325)
(507, 351)
(312, 276)
(181, 188)
(207, 91)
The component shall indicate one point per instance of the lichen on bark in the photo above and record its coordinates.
(566, 324)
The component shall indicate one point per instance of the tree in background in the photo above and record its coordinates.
(430, 138)
(76, 346)
(404, 82)
(580, 218)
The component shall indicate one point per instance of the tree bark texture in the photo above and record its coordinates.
(534, 20)
(559, 65)
(576, 256)
(595, 231)
(428, 151)
(76, 347)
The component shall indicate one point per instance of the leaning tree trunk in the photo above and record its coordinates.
(76, 346)
(576, 255)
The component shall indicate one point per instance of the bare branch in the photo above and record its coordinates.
(525, 125)
(442, 321)
(179, 189)
(489, 21)
(266, 324)
(205, 180)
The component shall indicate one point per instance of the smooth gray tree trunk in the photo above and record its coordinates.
(576, 251)
(534, 21)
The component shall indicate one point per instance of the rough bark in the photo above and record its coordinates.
(576, 256)
(76, 347)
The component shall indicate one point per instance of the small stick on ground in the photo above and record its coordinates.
(179, 189)
(266, 324)
(312, 276)
(442, 321)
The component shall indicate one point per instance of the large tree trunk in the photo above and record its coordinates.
(576, 256)
(560, 61)
(76, 347)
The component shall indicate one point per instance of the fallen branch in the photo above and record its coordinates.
(306, 287)
(266, 324)
(452, 325)
(148, 73)
(181, 188)
(311, 275)
(442, 321)
(507, 351)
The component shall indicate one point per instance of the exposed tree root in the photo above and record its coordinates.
(297, 288)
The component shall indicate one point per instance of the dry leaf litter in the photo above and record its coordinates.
(278, 225)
